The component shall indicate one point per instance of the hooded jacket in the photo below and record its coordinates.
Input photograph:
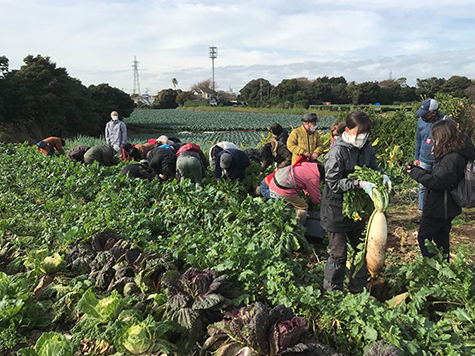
(306, 177)
(340, 161)
(163, 161)
(283, 137)
(116, 133)
(238, 164)
(446, 173)
(300, 141)
(424, 146)
(225, 145)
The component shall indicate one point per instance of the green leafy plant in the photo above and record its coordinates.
(50, 344)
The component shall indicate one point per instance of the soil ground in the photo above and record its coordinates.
(402, 241)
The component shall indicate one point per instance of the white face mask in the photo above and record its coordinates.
(356, 140)
(115, 118)
(313, 128)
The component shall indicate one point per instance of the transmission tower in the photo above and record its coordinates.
(136, 76)
(213, 53)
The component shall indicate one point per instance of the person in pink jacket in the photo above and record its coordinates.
(306, 177)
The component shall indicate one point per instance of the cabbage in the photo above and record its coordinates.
(144, 337)
(49, 344)
(104, 310)
(53, 264)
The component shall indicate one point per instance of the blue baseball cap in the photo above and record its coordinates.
(427, 106)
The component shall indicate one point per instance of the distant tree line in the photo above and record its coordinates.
(41, 100)
(302, 92)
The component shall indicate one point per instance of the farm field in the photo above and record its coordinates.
(88, 253)
(197, 121)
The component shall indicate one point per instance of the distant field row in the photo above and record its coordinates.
(194, 121)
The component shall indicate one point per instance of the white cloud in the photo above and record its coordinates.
(97, 40)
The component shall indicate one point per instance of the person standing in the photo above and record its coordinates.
(116, 132)
(305, 140)
(352, 149)
(452, 151)
(423, 156)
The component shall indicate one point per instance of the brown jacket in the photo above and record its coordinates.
(52, 144)
(144, 148)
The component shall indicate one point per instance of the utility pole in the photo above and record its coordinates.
(136, 76)
(213, 54)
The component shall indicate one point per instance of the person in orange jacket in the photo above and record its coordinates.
(48, 145)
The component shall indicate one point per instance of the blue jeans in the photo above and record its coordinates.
(422, 189)
(265, 190)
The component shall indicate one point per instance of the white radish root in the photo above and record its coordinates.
(376, 243)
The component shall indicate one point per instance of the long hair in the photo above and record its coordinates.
(361, 119)
(446, 138)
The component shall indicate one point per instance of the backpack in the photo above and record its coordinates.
(284, 178)
(464, 192)
(189, 147)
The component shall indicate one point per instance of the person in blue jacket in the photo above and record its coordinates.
(423, 156)
(233, 161)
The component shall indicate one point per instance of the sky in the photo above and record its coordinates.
(362, 40)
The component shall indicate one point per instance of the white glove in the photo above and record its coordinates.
(367, 187)
(387, 182)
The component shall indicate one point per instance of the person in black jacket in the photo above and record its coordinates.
(279, 133)
(163, 162)
(141, 170)
(233, 162)
(352, 149)
(451, 152)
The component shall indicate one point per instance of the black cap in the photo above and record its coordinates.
(310, 117)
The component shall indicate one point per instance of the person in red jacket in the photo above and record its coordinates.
(48, 145)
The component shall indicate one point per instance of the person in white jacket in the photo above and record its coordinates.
(116, 132)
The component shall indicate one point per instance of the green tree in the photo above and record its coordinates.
(43, 100)
(3, 66)
(456, 86)
(429, 87)
(111, 99)
(182, 98)
(257, 91)
(165, 99)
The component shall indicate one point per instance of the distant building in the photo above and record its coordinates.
(145, 98)
(204, 94)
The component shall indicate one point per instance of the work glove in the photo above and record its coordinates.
(367, 187)
(387, 182)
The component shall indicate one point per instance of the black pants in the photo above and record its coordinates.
(436, 230)
(335, 268)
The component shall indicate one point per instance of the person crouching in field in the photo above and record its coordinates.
(49, 145)
(274, 152)
(104, 154)
(163, 162)
(139, 170)
(304, 176)
(233, 162)
(452, 150)
(191, 163)
(77, 153)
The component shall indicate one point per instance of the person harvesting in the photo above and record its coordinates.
(351, 150)
(305, 140)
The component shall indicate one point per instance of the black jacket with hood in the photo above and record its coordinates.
(446, 173)
(340, 161)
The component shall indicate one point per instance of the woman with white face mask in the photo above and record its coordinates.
(116, 132)
(350, 150)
